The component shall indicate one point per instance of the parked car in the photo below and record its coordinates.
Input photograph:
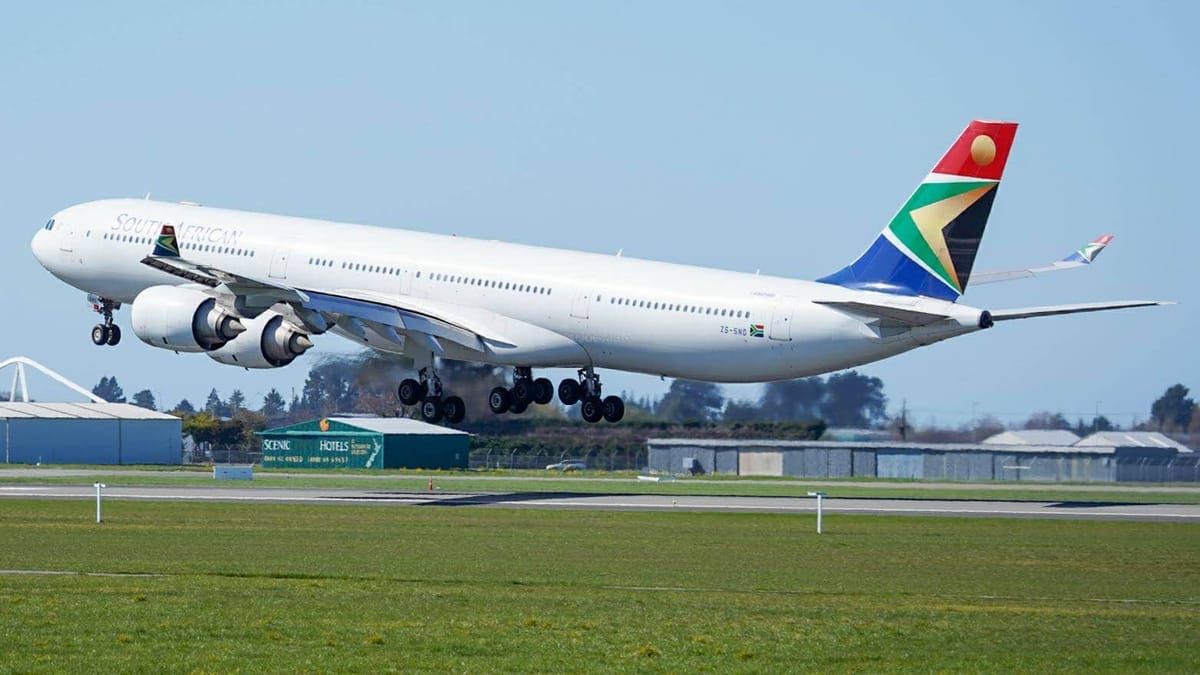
(567, 465)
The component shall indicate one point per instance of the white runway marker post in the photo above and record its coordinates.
(99, 491)
(820, 499)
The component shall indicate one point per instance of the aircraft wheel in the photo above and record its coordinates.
(410, 392)
(518, 407)
(499, 401)
(99, 334)
(432, 410)
(455, 410)
(114, 335)
(522, 391)
(614, 408)
(543, 391)
(568, 392)
(592, 409)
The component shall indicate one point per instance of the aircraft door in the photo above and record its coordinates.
(405, 282)
(781, 323)
(279, 261)
(66, 240)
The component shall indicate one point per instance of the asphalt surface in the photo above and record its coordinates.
(533, 500)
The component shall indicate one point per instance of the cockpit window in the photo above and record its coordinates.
(49, 224)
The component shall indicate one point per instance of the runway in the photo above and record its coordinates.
(557, 500)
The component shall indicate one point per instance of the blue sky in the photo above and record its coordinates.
(745, 136)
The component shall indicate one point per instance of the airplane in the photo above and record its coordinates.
(250, 289)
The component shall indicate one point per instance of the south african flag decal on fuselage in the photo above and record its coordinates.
(756, 330)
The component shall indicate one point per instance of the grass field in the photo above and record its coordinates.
(368, 588)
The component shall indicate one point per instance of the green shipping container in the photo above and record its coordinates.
(364, 443)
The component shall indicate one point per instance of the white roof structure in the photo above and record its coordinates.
(87, 411)
(1131, 439)
(1033, 437)
(398, 425)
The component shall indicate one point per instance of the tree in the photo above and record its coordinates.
(145, 399)
(792, 400)
(1173, 410)
(853, 400)
(109, 390)
(274, 408)
(689, 401)
(739, 411)
(236, 402)
(1047, 420)
(214, 406)
(184, 407)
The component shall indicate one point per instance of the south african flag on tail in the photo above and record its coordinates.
(166, 246)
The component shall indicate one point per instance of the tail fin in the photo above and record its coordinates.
(929, 246)
(166, 245)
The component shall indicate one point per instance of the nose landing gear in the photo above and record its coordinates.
(107, 332)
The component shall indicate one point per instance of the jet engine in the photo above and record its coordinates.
(270, 341)
(182, 319)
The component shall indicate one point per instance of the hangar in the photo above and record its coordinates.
(87, 433)
(1083, 462)
(365, 443)
(96, 432)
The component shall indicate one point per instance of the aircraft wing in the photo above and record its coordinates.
(1054, 310)
(1081, 258)
(352, 311)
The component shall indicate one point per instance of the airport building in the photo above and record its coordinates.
(87, 433)
(95, 432)
(365, 443)
(1086, 461)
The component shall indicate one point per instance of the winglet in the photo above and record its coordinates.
(166, 246)
(1088, 253)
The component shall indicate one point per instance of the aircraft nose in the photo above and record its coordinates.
(38, 243)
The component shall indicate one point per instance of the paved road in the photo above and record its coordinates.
(44, 472)
(912, 507)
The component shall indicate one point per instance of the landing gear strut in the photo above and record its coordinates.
(427, 394)
(107, 332)
(587, 389)
(524, 391)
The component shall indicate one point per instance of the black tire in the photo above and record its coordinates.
(522, 391)
(410, 392)
(499, 401)
(455, 409)
(592, 409)
(614, 408)
(114, 335)
(518, 407)
(543, 391)
(569, 392)
(432, 410)
(99, 335)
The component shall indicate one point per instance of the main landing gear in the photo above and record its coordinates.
(587, 390)
(525, 390)
(427, 393)
(107, 332)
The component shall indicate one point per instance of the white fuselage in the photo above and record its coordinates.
(623, 313)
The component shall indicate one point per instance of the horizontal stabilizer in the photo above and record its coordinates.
(1054, 310)
(908, 317)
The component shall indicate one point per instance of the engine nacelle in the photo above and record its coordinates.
(269, 342)
(182, 320)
